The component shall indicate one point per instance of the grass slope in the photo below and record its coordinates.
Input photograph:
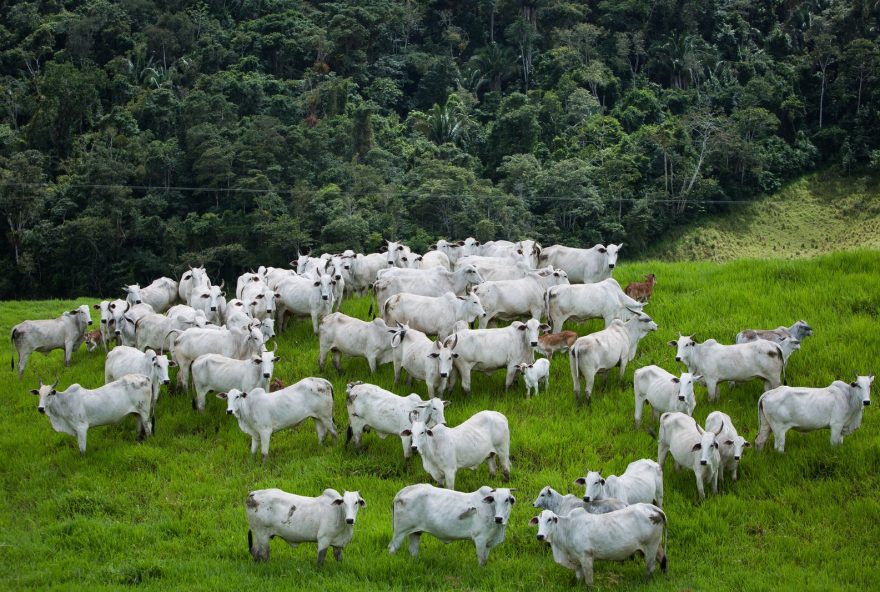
(169, 513)
(814, 215)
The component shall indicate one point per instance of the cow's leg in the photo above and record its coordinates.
(466, 379)
(322, 357)
(322, 553)
(491, 464)
(337, 553)
(712, 387)
(81, 433)
(639, 405)
(589, 378)
(371, 362)
(735, 472)
(22, 361)
(482, 552)
(265, 437)
(315, 331)
(575, 376)
(587, 569)
(396, 372)
(763, 432)
(779, 438)
(715, 480)
(68, 352)
(414, 540)
(836, 434)
(511, 377)
(396, 541)
(449, 479)
(700, 487)
(406, 442)
(484, 321)
(662, 450)
(259, 545)
(324, 427)
(255, 443)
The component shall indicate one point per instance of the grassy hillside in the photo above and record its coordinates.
(169, 513)
(816, 214)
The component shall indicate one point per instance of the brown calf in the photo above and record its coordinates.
(276, 385)
(641, 291)
(551, 343)
(93, 339)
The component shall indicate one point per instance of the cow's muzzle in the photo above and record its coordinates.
(229, 412)
(414, 448)
(41, 409)
(703, 462)
(534, 343)
(166, 381)
(266, 375)
(324, 298)
(90, 322)
(499, 520)
(137, 301)
(678, 358)
(587, 498)
(610, 266)
(213, 309)
(118, 332)
(735, 458)
(349, 520)
(446, 374)
(866, 403)
(681, 397)
(540, 537)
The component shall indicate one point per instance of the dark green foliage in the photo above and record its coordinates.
(137, 137)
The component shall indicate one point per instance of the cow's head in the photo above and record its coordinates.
(686, 400)
(266, 362)
(801, 329)
(594, 484)
(159, 365)
(545, 498)
(471, 275)
(267, 328)
(235, 400)
(530, 330)
(301, 262)
(546, 522)
(738, 445)
(443, 355)
(419, 431)
(684, 348)
(325, 282)
(199, 277)
(133, 292)
(83, 314)
(47, 394)
(707, 444)
(861, 387)
(473, 308)
(611, 252)
(502, 501)
(350, 503)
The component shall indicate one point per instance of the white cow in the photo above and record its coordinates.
(211, 300)
(485, 436)
(480, 516)
(242, 343)
(423, 359)
(327, 519)
(581, 302)
(487, 350)
(454, 251)
(362, 269)
(125, 318)
(106, 322)
(124, 360)
(337, 272)
(67, 332)
(372, 407)
(550, 499)
(496, 268)
(736, 363)
(580, 538)
(245, 279)
(195, 277)
(838, 407)
(161, 294)
(151, 330)
(214, 372)
(305, 296)
(75, 410)
(534, 374)
(426, 282)
(260, 300)
(799, 331)
(605, 349)
(691, 447)
(341, 334)
(527, 250)
(433, 259)
(582, 265)
(730, 444)
(641, 482)
(188, 314)
(307, 265)
(432, 315)
(664, 391)
(261, 413)
(517, 299)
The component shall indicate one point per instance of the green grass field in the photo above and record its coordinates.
(815, 214)
(169, 513)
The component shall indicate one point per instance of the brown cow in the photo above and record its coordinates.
(276, 385)
(93, 339)
(641, 291)
(551, 343)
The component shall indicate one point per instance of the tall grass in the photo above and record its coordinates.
(169, 513)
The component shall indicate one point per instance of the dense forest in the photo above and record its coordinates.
(139, 136)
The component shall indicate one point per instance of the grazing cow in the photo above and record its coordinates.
(580, 538)
(371, 407)
(106, 322)
(422, 359)
(327, 519)
(92, 340)
(534, 374)
(276, 384)
(838, 407)
(151, 330)
(601, 300)
(736, 363)
(480, 516)
(161, 294)
(605, 349)
(432, 315)
(261, 414)
(730, 444)
(799, 331)
(195, 277)
(664, 391)
(341, 334)
(426, 282)
(77, 409)
(487, 350)
(243, 343)
(362, 269)
(691, 446)
(641, 482)
(211, 300)
(517, 299)
(641, 291)
(66, 332)
(583, 266)
(214, 372)
(550, 499)
(124, 360)
(305, 296)
(550, 343)
(485, 436)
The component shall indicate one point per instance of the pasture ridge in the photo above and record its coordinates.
(169, 513)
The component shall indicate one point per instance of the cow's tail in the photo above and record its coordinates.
(250, 541)
(784, 362)
(12, 337)
(547, 306)
(372, 298)
(574, 366)
(164, 339)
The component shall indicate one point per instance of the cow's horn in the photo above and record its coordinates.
(275, 349)
(222, 284)
(720, 428)
(54, 384)
(127, 306)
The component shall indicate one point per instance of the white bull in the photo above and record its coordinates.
(362, 269)
(838, 407)
(67, 332)
(582, 265)
(161, 294)
(422, 359)
(195, 277)
(372, 407)
(260, 300)
(305, 296)
(730, 444)
(261, 413)
(641, 482)
(211, 300)
(214, 372)
(580, 302)
(242, 343)
(517, 299)
(426, 282)
(664, 391)
(480, 516)
(341, 334)
(124, 360)
(432, 315)
(692, 447)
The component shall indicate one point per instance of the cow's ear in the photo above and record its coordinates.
(276, 359)
(277, 295)
(361, 502)
(696, 447)
(406, 432)
(447, 403)
(580, 481)
(433, 355)
(534, 521)
(601, 481)
(96, 306)
(318, 283)
(243, 395)
(673, 343)
(221, 396)
(603, 250)
(522, 327)
(854, 384)
(544, 327)
(337, 502)
(430, 433)
(488, 499)
(454, 355)
(172, 364)
(676, 380)
(432, 248)
(747, 444)
(258, 361)
(35, 392)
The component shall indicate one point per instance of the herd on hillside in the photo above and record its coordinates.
(223, 345)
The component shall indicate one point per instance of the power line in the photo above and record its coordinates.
(363, 194)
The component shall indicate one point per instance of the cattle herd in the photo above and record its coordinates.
(223, 345)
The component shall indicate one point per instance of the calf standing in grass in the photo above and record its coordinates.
(534, 374)
(664, 391)
(550, 499)
(641, 482)
(327, 519)
(641, 291)
(551, 343)
(691, 447)
(730, 444)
